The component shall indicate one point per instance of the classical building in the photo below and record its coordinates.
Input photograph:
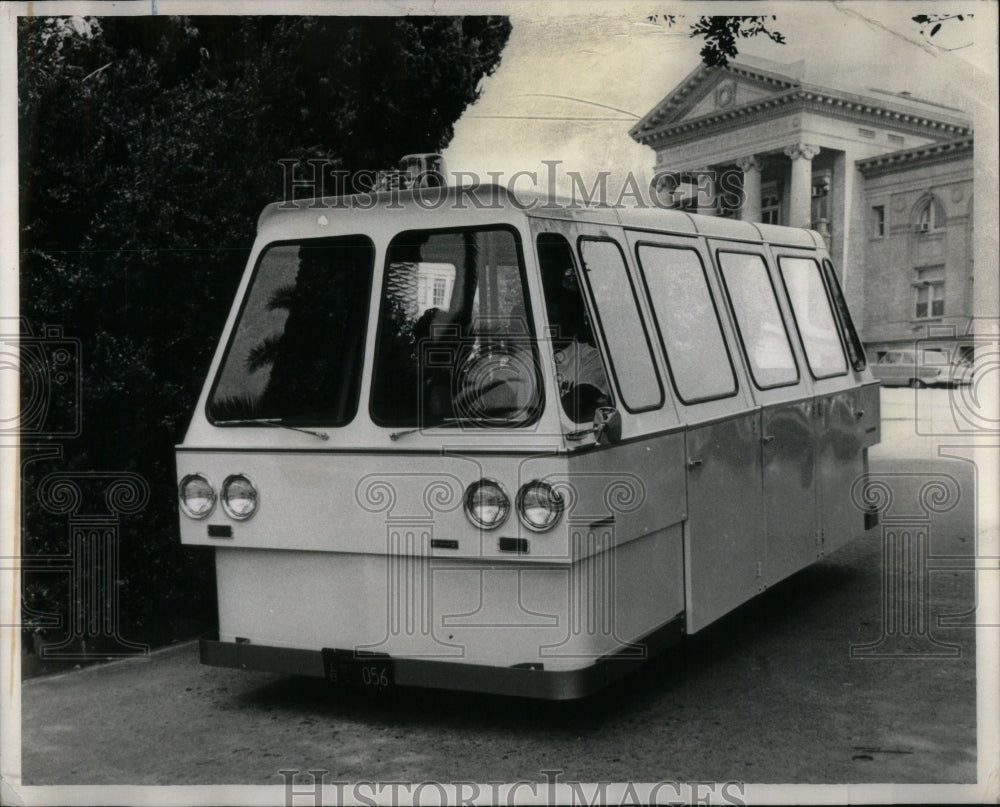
(885, 177)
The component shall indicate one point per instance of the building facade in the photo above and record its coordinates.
(886, 178)
(917, 244)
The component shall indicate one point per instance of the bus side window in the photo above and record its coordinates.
(621, 324)
(813, 316)
(855, 349)
(580, 374)
(758, 319)
(688, 322)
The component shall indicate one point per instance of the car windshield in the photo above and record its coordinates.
(455, 343)
(295, 355)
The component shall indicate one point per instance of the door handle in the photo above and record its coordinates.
(768, 439)
(692, 464)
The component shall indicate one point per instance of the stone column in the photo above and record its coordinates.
(751, 168)
(800, 201)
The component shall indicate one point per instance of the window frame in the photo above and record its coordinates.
(435, 288)
(239, 319)
(820, 200)
(879, 222)
(930, 208)
(736, 320)
(932, 286)
(768, 189)
(659, 333)
(600, 324)
(531, 337)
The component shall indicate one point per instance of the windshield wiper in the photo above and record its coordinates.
(444, 423)
(277, 423)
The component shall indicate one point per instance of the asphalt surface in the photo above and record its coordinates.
(770, 693)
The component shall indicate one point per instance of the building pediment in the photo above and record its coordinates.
(724, 93)
(714, 99)
(710, 90)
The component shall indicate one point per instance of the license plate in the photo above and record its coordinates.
(346, 668)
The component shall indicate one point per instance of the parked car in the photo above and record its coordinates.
(935, 368)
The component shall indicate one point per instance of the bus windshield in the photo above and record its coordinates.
(455, 342)
(297, 350)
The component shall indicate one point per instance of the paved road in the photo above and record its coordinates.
(768, 694)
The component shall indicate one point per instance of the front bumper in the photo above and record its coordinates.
(524, 681)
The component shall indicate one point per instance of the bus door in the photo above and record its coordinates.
(781, 386)
(839, 417)
(723, 531)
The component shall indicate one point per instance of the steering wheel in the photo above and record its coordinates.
(489, 384)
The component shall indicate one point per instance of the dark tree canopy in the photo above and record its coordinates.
(148, 147)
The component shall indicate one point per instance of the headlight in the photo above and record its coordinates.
(197, 496)
(239, 497)
(539, 505)
(486, 504)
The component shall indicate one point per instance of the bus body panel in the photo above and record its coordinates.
(358, 502)
(723, 534)
(791, 509)
(841, 460)
(636, 487)
(561, 616)
(867, 414)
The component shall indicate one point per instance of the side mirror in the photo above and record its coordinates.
(607, 426)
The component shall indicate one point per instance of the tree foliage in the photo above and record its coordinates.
(148, 147)
(931, 24)
(720, 34)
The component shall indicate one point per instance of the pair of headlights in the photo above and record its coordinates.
(538, 505)
(487, 504)
(239, 496)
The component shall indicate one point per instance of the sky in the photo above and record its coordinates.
(571, 84)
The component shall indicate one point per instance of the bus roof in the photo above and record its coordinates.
(539, 205)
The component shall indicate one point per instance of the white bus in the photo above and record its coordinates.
(454, 439)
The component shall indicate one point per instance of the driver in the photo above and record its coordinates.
(583, 383)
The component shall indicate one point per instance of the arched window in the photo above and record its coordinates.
(929, 216)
